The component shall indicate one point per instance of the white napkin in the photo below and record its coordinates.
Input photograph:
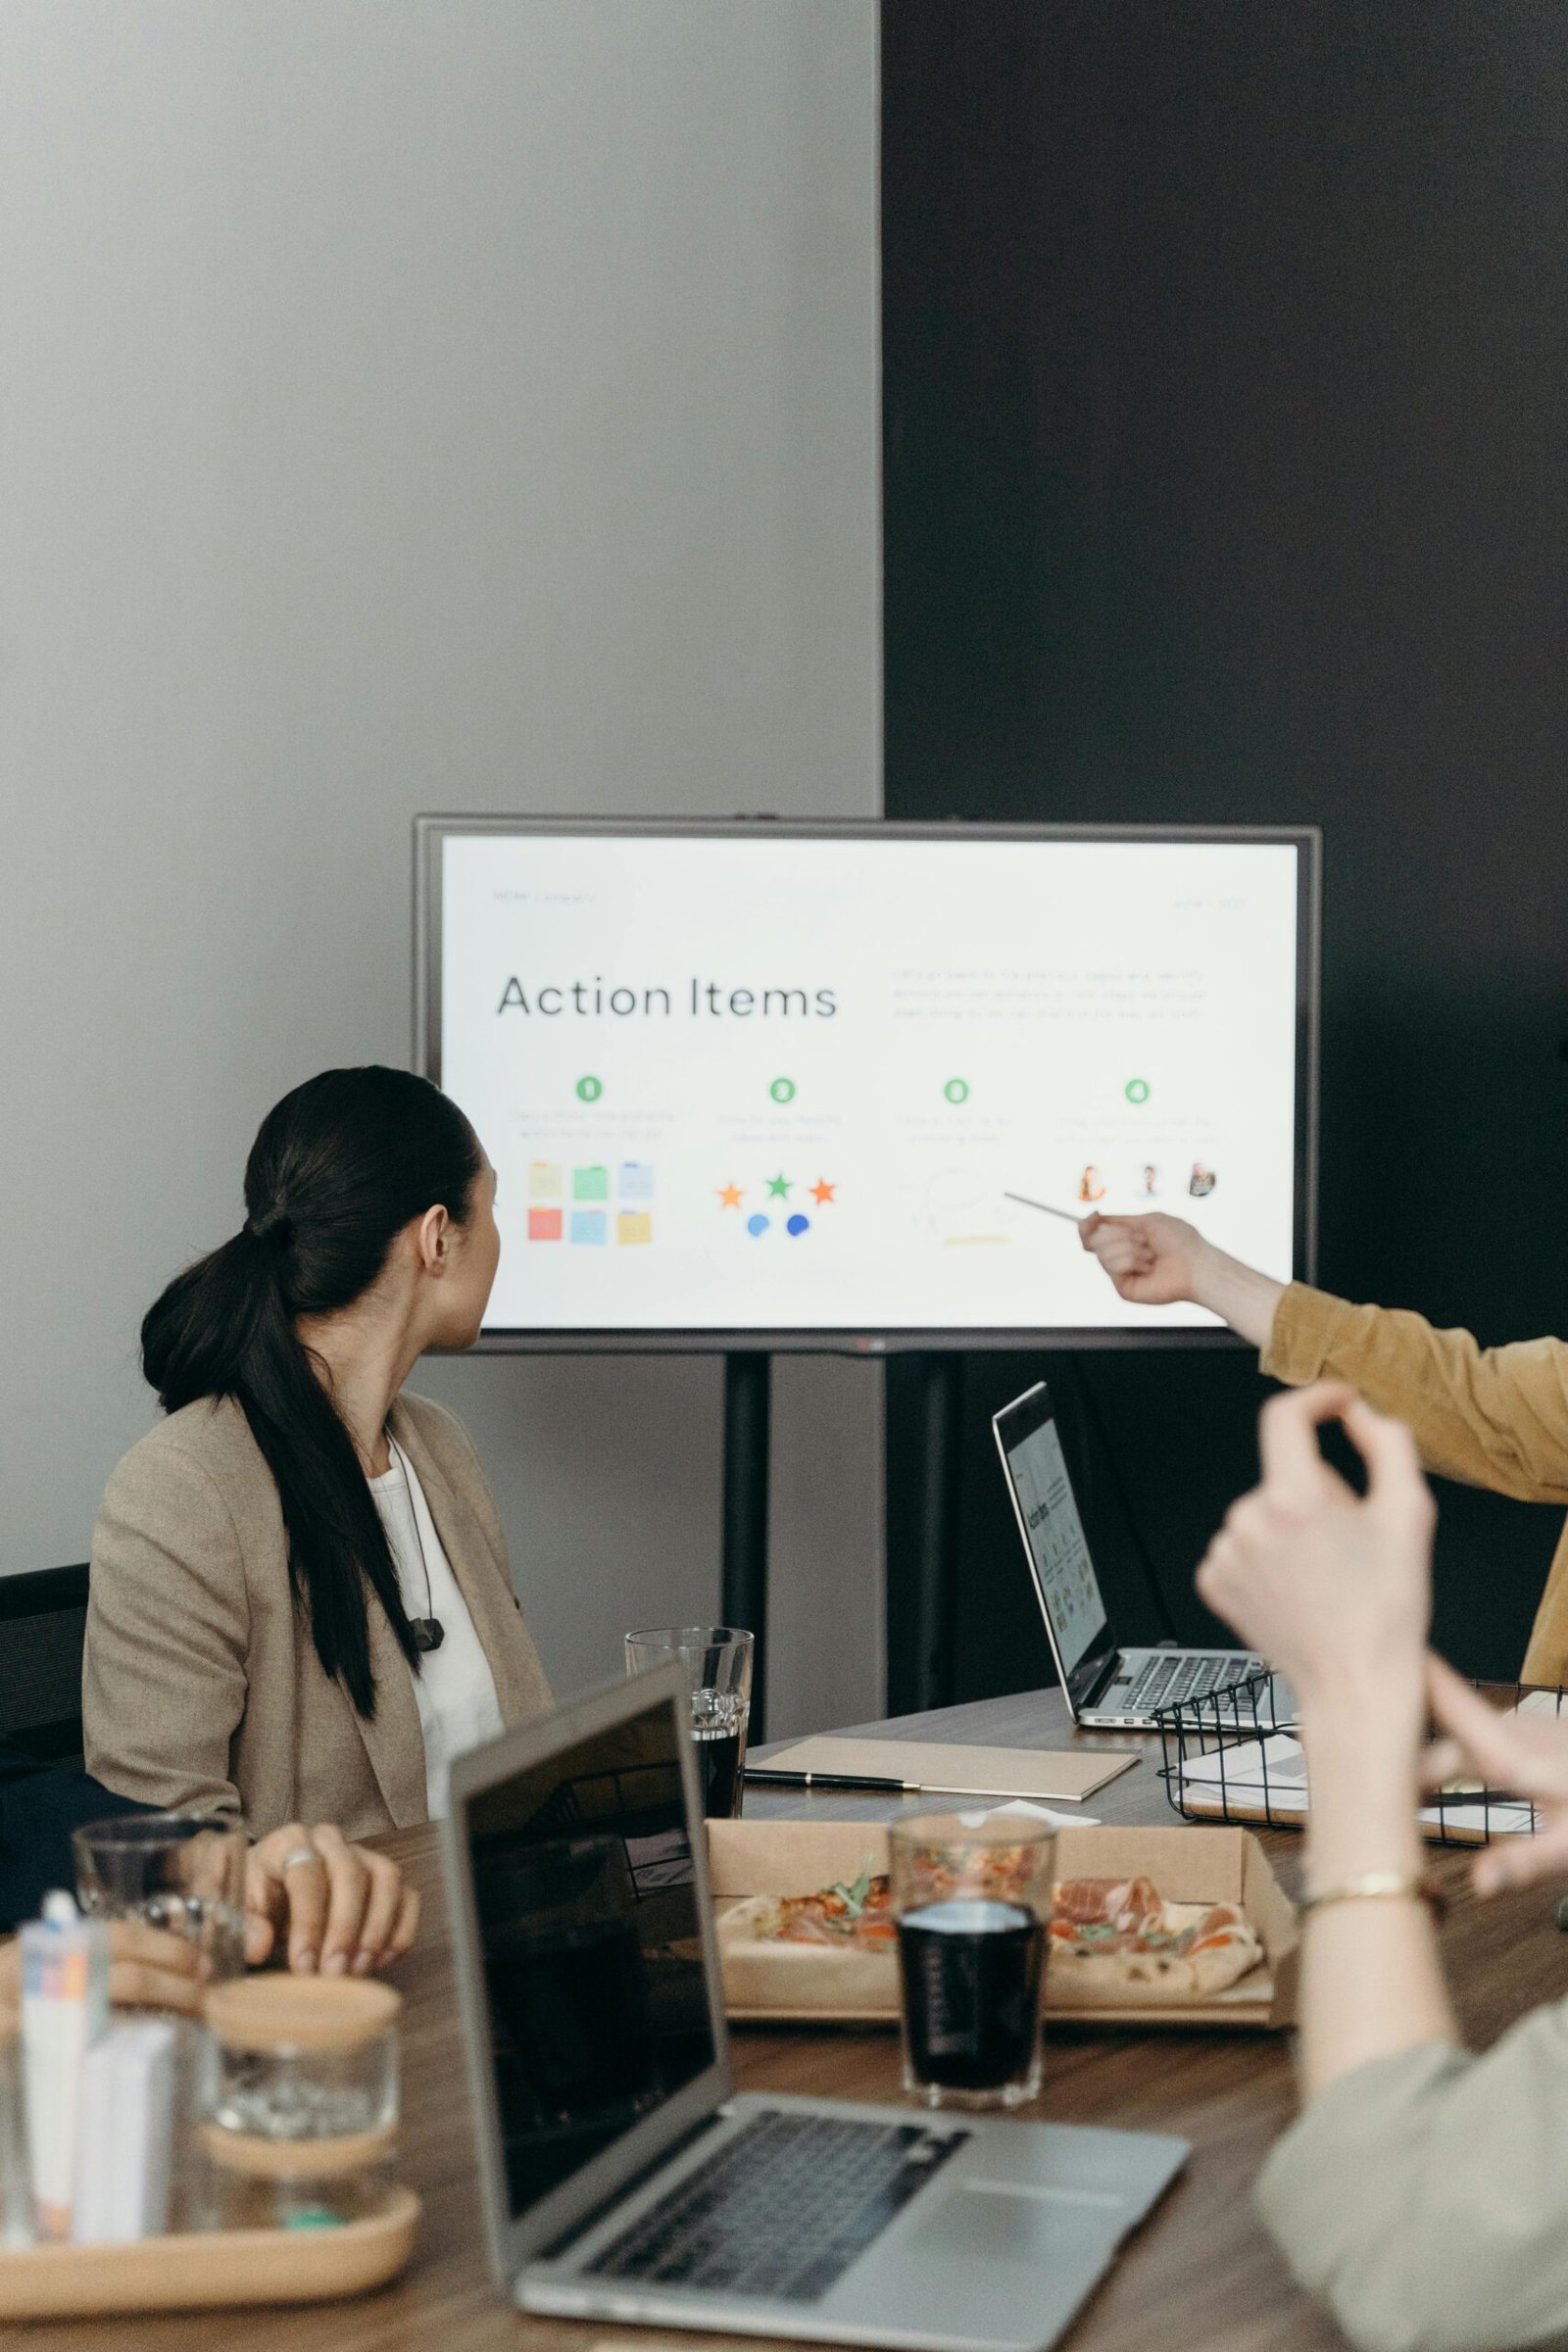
(1029, 1811)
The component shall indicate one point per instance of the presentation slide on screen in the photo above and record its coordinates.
(782, 1084)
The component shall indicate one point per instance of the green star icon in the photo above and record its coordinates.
(778, 1188)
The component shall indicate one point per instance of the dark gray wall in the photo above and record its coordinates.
(1226, 366)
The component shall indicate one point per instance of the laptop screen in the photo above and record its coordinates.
(591, 1943)
(1064, 1577)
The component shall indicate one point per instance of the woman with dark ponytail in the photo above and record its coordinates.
(300, 1607)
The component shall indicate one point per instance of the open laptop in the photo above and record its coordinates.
(622, 2176)
(1106, 1685)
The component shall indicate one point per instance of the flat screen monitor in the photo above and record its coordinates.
(849, 1086)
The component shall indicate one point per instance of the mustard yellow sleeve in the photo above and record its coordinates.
(1424, 2198)
(1492, 1417)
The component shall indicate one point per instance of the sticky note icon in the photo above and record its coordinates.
(589, 1227)
(544, 1180)
(590, 1184)
(636, 1180)
(633, 1225)
(544, 1224)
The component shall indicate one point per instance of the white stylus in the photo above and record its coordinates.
(1044, 1206)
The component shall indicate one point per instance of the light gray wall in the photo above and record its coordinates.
(409, 404)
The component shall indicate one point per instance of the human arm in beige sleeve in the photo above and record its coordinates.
(1424, 2193)
(1424, 2197)
(1492, 1417)
(164, 1682)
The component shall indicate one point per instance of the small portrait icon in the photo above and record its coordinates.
(1090, 1187)
(1201, 1182)
(1151, 1183)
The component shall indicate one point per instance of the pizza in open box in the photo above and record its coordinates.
(1116, 1941)
(1113, 1943)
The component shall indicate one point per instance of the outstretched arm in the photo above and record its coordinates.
(1492, 1417)
(1160, 1260)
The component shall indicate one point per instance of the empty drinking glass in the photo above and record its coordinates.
(174, 1870)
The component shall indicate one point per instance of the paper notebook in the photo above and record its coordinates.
(924, 1765)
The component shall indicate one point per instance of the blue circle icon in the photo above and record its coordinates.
(757, 1224)
(799, 1225)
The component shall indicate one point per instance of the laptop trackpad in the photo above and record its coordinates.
(1000, 2222)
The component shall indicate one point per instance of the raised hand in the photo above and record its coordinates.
(1525, 1755)
(1335, 1589)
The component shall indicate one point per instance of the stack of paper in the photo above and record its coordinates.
(1266, 1779)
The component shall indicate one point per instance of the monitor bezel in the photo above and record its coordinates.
(514, 2239)
(431, 832)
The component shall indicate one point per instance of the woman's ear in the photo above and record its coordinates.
(434, 1239)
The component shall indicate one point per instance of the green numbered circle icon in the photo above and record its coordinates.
(1136, 1090)
(782, 1090)
(956, 1090)
(590, 1088)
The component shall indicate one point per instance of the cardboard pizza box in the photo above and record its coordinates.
(777, 1984)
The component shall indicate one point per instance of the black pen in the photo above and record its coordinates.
(828, 1780)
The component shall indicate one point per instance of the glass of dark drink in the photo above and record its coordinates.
(971, 1897)
(716, 1660)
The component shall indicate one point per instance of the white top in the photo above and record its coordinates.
(454, 1688)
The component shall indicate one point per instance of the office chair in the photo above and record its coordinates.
(43, 1621)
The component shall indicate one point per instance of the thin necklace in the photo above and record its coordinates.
(428, 1631)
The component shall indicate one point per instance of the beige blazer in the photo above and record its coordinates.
(201, 1687)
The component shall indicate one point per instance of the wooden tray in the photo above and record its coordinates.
(204, 2269)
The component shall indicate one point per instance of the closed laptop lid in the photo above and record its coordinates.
(587, 1965)
(1082, 1638)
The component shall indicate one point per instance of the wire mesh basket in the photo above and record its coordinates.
(1234, 1755)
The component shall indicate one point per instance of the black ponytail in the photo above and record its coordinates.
(339, 1167)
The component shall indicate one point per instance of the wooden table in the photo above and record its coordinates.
(1201, 2272)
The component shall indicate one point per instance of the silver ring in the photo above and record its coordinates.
(299, 1854)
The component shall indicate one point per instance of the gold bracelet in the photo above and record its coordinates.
(1379, 1886)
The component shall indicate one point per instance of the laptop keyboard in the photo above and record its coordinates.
(1167, 1682)
(781, 2208)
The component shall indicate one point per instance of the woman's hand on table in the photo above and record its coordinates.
(149, 1968)
(333, 1908)
(1334, 1589)
(338, 1907)
(1525, 1755)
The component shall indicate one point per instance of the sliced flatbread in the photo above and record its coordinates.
(1186, 1952)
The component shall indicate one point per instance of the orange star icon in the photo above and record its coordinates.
(730, 1197)
(823, 1191)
